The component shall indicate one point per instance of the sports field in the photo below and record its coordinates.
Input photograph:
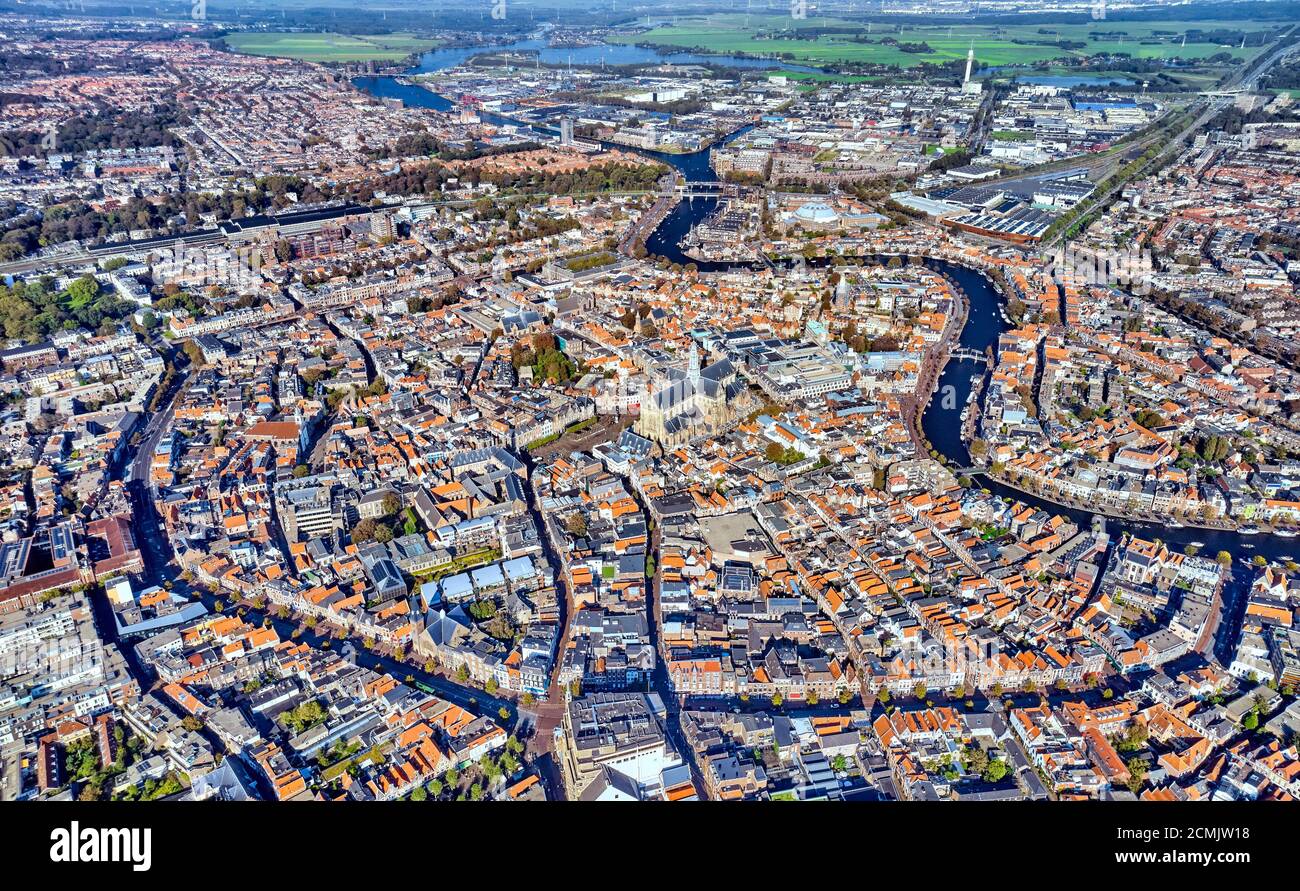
(880, 43)
(328, 47)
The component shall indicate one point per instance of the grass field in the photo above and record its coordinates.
(328, 47)
(994, 44)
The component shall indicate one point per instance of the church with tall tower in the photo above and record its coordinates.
(695, 402)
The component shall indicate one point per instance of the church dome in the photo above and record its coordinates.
(816, 212)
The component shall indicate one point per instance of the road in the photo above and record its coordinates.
(1251, 80)
(153, 431)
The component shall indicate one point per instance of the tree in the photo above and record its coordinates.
(365, 530)
(193, 353)
(301, 471)
(391, 504)
(996, 770)
(576, 524)
(777, 699)
(1137, 773)
(303, 716)
(919, 691)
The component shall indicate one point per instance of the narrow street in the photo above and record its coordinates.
(547, 714)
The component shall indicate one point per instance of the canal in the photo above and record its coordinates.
(941, 424)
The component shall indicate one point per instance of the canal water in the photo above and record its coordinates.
(942, 426)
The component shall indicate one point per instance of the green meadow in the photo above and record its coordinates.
(993, 44)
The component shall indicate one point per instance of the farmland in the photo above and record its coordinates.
(889, 43)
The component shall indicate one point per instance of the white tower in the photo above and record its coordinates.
(693, 369)
(968, 85)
